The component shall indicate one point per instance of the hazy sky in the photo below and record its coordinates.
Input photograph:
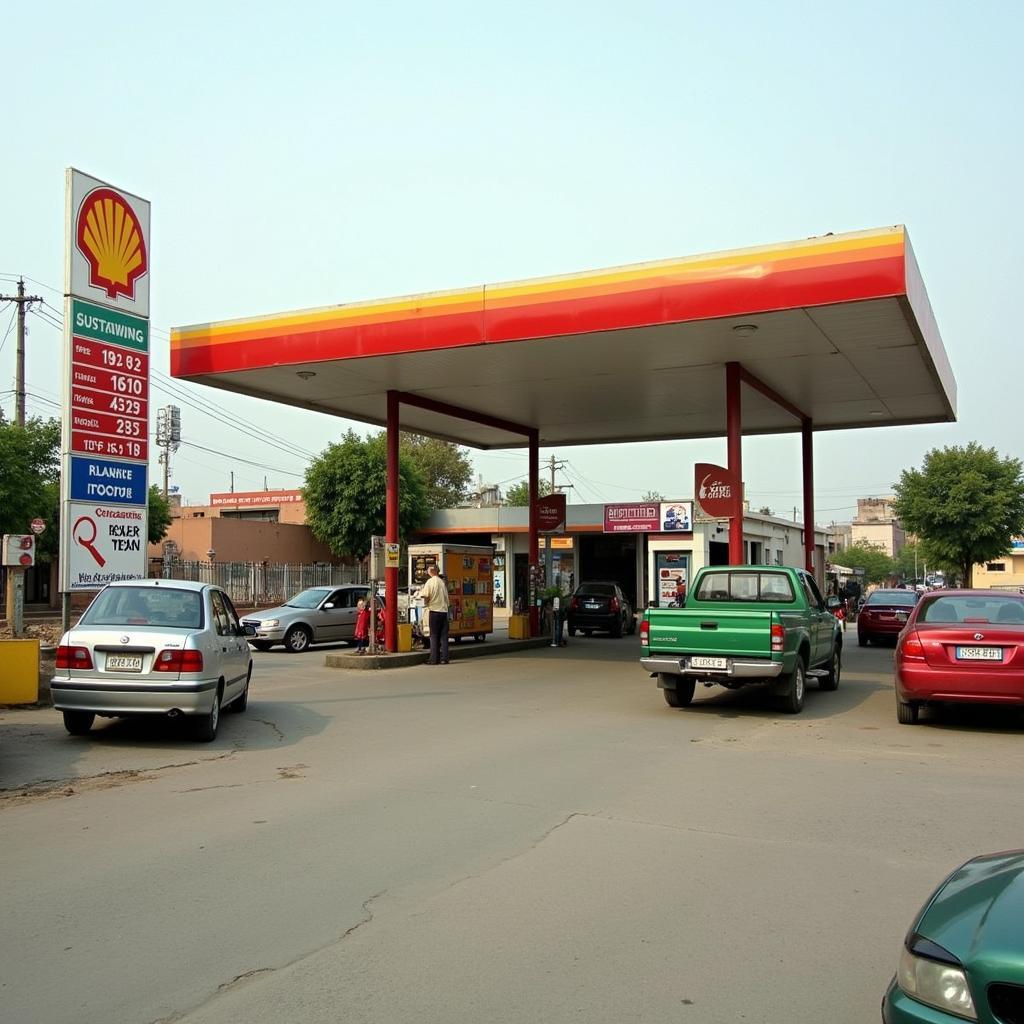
(312, 154)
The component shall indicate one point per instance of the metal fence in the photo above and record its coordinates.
(260, 584)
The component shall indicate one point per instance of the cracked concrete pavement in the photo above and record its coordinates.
(537, 838)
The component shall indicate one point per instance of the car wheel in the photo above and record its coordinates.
(481, 637)
(793, 701)
(906, 714)
(297, 639)
(616, 630)
(78, 723)
(588, 632)
(831, 681)
(241, 702)
(632, 626)
(205, 726)
(681, 694)
(261, 645)
(862, 640)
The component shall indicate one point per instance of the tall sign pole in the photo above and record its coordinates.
(105, 426)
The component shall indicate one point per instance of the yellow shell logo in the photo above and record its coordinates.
(110, 238)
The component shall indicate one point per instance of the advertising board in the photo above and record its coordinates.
(649, 517)
(108, 543)
(105, 425)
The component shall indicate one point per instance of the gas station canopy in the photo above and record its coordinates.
(839, 326)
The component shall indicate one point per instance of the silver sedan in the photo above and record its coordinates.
(314, 616)
(153, 647)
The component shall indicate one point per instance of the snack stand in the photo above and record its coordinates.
(468, 572)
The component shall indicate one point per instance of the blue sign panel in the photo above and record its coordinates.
(119, 483)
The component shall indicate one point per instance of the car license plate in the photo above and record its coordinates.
(979, 654)
(124, 662)
(701, 661)
(592, 607)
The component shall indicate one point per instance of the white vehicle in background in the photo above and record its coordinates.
(153, 647)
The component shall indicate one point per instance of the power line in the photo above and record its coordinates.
(177, 389)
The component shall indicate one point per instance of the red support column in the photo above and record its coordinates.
(534, 525)
(391, 525)
(734, 426)
(807, 444)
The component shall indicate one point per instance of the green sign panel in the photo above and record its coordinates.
(109, 326)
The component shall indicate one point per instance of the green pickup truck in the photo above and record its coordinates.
(744, 624)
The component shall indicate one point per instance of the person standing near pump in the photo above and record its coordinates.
(434, 595)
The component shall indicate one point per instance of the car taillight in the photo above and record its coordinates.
(911, 647)
(645, 629)
(613, 604)
(778, 637)
(73, 657)
(575, 604)
(179, 661)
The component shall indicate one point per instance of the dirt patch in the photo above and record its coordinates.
(47, 633)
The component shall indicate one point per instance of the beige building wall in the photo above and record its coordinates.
(887, 536)
(987, 574)
(243, 540)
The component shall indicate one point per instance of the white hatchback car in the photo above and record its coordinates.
(153, 647)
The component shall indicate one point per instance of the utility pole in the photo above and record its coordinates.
(552, 466)
(168, 437)
(23, 301)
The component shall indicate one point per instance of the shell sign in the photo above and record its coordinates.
(109, 237)
(108, 260)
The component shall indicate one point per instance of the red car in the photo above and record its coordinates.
(961, 646)
(884, 614)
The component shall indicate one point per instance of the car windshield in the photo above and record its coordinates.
(309, 598)
(145, 606)
(897, 598)
(970, 609)
(596, 590)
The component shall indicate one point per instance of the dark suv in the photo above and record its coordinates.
(600, 605)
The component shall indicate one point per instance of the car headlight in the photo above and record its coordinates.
(269, 624)
(942, 985)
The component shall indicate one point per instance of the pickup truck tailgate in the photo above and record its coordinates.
(736, 632)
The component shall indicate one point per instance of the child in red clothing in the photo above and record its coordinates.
(362, 626)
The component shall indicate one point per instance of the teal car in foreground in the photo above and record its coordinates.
(963, 958)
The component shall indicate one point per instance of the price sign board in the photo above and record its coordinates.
(105, 437)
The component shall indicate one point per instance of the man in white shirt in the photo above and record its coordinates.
(434, 595)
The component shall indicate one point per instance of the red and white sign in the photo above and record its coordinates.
(635, 517)
(249, 499)
(719, 494)
(19, 549)
(551, 513)
(37, 526)
(108, 543)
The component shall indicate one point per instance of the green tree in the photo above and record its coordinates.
(965, 505)
(29, 464)
(159, 515)
(877, 565)
(444, 466)
(345, 492)
(909, 563)
(519, 494)
(653, 496)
